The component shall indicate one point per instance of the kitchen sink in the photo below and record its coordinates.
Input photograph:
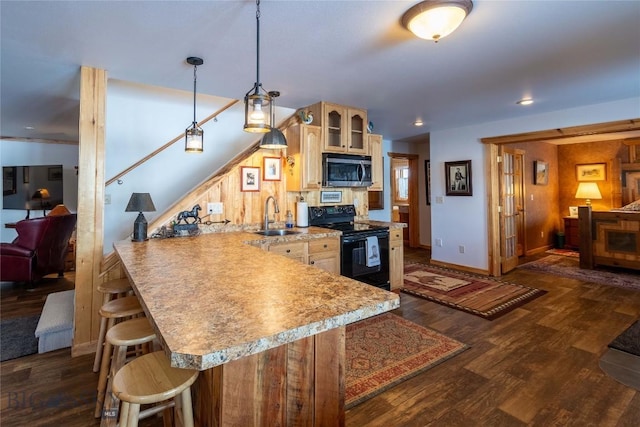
(276, 232)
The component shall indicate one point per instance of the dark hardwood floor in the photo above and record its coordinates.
(535, 366)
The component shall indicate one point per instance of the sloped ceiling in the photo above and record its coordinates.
(561, 53)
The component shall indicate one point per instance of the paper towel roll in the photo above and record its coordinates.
(302, 214)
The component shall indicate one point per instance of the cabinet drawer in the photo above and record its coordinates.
(323, 245)
(395, 234)
(292, 250)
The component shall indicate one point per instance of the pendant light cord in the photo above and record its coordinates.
(258, 84)
(195, 77)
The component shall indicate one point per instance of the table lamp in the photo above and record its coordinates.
(41, 194)
(588, 190)
(140, 202)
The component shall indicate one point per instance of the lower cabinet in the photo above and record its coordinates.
(293, 250)
(396, 258)
(325, 254)
(320, 253)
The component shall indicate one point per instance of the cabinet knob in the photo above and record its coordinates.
(288, 250)
(393, 249)
(325, 246)
(312, 262)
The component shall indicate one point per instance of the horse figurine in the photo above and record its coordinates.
(193, 213)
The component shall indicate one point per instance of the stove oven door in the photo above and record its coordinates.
(356, 251)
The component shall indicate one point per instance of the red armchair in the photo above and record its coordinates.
(39, 249)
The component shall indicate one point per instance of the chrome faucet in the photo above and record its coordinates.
(266, 211)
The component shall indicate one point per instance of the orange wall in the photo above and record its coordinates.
(540, 201)
(570, 155)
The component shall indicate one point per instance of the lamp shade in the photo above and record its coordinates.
(140, 202)
(588, 190)
(274, 139)
(435, 19)
(41, 193)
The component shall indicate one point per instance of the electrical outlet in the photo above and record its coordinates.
(214, 208)
(461, 249)
(107, 199)
(439, 242)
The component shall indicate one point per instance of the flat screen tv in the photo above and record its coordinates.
(32, 187)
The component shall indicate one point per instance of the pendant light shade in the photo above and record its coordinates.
(193, 135)
(274, 139)
(257, 102)
(435, 19)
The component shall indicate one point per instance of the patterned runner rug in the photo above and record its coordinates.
(385, 350)
(483, 296)
(570, 267)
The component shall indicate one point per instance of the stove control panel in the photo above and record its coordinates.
(331, 214)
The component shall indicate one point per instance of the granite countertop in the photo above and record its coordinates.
(215, 298)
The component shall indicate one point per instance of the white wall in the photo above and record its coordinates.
(422, 150)
(462, 220)
(393, 147)
(141, 119)
(21, 153)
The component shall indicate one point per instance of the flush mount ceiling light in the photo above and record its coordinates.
(257, 102)
(194, 136)
(418, 122)
(525, 101)
(435, 19)
(274, 139)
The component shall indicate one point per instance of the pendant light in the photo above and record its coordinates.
(257, 102)
(275, 138)
(194, 136)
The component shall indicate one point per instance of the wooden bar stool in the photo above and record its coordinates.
(121, 337)
(111, 290)
(117, 309)
(150, 379)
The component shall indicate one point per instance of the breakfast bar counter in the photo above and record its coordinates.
(267, 331)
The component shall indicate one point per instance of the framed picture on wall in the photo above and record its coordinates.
(591, 172)
(249, 178)
(458, 178)
(540, 172)
(271, 169)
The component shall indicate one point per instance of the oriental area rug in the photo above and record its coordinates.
(384, 350)
(565, 252)
(570, 267)
(483, 296)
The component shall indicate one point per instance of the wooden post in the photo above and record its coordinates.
(90, 230)
(586, 238)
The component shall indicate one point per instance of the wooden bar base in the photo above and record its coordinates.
(296, 384)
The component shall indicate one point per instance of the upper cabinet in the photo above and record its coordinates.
(304, 158)
(375, 151)
(344, 129)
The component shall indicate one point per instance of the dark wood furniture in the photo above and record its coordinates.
(610, 238)
(571, 232)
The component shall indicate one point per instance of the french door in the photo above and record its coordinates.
(511, 207)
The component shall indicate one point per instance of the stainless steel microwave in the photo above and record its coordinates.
(346, 170)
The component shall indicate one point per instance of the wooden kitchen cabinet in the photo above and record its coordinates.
(375, 151)
(304, 158)
(344, 129)
(396, 261)
(293, 250)
(325, 254)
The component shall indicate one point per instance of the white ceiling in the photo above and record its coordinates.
(562, 53)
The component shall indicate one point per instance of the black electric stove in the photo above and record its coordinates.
(340, 218)
(357, 242)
